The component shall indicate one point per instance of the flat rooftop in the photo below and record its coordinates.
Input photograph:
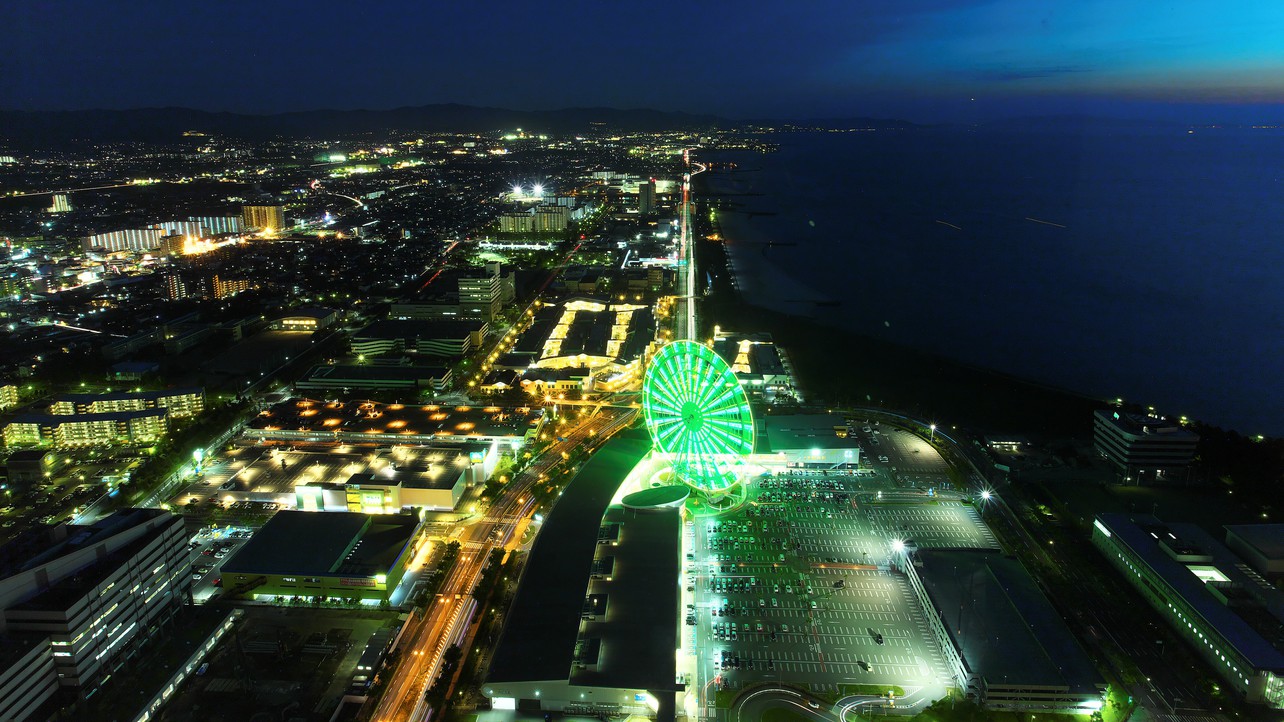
(1267, 539)
(374, 374)
(1143, 425)
(59, 419)
(1142, 534)
(1008, 631)
(417, 329)
(365, 417)
(43, 544)
(339, 543)
(538, 640)
(638, 634)
(802, 431)
(127, 395)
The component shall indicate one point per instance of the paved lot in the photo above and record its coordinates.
(795, 587)
(942, 525)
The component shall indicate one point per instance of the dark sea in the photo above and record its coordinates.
(1143, 264)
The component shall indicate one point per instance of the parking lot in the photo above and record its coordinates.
(797, 586)
(208, 549)
(940, 525)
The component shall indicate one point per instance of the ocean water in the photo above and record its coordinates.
(1144, 265)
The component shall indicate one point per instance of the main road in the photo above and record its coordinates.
(686, 254)
(431, 633)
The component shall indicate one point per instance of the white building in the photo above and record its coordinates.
(78, 600)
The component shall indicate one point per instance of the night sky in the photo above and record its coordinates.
(924, 60)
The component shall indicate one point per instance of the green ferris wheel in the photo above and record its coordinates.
(698, 415)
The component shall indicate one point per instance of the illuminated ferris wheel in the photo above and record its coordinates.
(698, 415)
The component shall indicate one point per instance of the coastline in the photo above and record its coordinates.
(749, 259)
(839, 367)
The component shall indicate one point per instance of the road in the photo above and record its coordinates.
(686, 254)
(498, 528)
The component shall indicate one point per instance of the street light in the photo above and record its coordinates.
(985, 494)
(932, 436)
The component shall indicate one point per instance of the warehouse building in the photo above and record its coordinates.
(806, 441)
(369, 422)
(432, 478)
(1225, 610)
(343, 555)
(1005, 643)
(1261, 545)
(584, 642)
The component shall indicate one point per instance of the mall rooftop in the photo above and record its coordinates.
(380, 421)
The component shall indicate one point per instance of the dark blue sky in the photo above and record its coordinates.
(925, 60)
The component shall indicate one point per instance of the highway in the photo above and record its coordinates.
(686, 254)
(429, 635)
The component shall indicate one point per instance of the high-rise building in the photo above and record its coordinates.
(263, 218)
(518, 222)
(60, 203)
(181, 228)
(179, 286)
(224, 287)
(551, 218)
(481, 293)
(1144, 449)
(646, 197)
(130, 239)
(78, 601)
(217, 225)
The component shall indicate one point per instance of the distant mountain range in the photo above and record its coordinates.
(47, 128)
(30, 129)
(159, 124)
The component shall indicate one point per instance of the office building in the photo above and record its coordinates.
(1224, 610)
(1144, 449)
(426, 338)
(646, 197)
(78, 602)
(340, 555)
(342, 377)
(180, 403)
(60, 203)
(481, 293)
(263, 218)
(8, 396)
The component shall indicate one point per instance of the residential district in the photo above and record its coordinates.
(448, 426)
